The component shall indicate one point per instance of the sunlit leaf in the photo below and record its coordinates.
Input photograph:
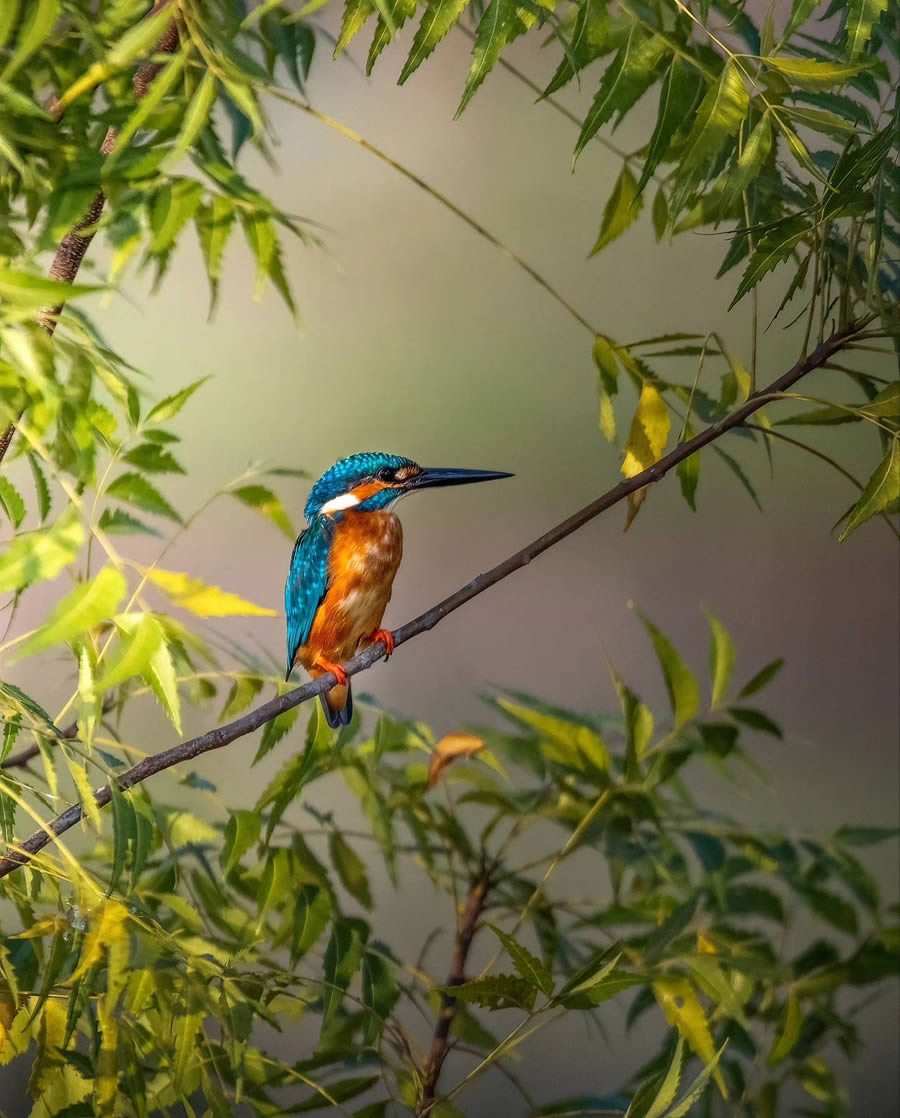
(722, 655)
(201, 598)
(788, 1031)
(646, 441)
(137, 490)
(438, 18)
(170, 407)
(862, 16)
(449, 749)
(11, 501)
(261, 498)
(881, 491)
(676, 99)
(811, 73)
(80, 610)
(679, 1003)
(35, 556)
(622, 209)
(681, 683)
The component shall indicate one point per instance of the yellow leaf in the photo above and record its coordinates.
(199, 597)
(107, 926)
(446, 752)
(705, 946)
(679, 1003)
(646, 441)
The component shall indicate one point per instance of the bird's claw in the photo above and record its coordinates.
(336, 670)
(387, 639)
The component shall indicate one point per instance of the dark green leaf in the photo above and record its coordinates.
(135, 489)
(528, 966)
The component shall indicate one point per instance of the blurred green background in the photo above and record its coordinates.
(421, 338)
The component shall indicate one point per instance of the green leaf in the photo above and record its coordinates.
(529, 966)
(170, 407)
(261, 498)
(399, 11)
(350, 867)
(686, 1104)
(688, 472)
(589, 977)
(676, 99)
(499, 24)
(437, 19)
(41, 488)
(42, 555)
(9, 17)
(140, 636)
(622, 209)
(681, 683)
(722, 655)
(627, 78)
(838, 912)
(356, 13)
(311, 913)
(243, 691)
(736, 469)
(342, 957)
(495, 991)
(12, 502)
(241, 832)
(199, 597)
(668, 1087)
(196, 117)
(154, 459)
(862, 16)
(159, 675)
(80, 610)
(214, 225)
(607, 383)
(865, 836)
(147, 106)
(136, 490)
(28, 290)
(762, 678)
(40, 19)
(718, 120)
(811, 73)
(756, 720)
(117, 522)
(379, 992)
(750, 162)
(881, 490)
(788, 1031)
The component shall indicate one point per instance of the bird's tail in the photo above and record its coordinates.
(338, 706)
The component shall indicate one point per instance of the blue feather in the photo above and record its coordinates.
(307, 582)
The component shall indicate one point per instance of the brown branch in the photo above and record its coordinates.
(74, 245)
(70, 733)
(254, 719)
(455, 977)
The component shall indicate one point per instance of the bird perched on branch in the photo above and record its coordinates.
(344, 562)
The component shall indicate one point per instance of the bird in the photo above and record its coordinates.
(344, 561)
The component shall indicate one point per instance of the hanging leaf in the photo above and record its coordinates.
(350, 868)
(42, 490)
(12, 502)
(722, 655)
(195, 118)
(214, 225)
(682, 1009)
(437, 19)
(862, 16)
(80, 610)
(140, 636)
(607, 383)
(261, 498)
(881, 492)
(342, 957)
(529, 967)
(448, 750)
(500, 23)
(676, 99)
(646, 441)
(170, 407)
(40, 19)
(788, 1031)
(750, 162)
(621, 210)
(356, 13)
(199, 597)
(667, 1088)
(811, 73)
(117, 522)
(154, 459)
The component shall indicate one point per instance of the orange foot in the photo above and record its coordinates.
(339, 674)
(387, 639)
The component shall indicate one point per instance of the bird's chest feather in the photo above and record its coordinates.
(362, 563)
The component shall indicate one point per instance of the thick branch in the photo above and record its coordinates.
(253, 720)
(74, 245)
(456, 977)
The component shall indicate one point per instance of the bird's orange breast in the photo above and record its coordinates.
(363, 560)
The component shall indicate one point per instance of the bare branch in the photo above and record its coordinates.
(266, 712)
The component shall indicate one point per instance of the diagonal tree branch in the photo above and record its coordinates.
(266, 712)
(74, 245)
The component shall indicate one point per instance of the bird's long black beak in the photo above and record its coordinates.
(430, 478)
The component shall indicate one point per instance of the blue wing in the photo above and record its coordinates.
(306, 583)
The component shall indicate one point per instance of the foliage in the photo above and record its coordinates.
(151, 956)
(140, 968)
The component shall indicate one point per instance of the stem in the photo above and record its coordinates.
(72, 248)
(456, 976)
(253, 720)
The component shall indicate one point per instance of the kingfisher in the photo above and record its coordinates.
(344, 562)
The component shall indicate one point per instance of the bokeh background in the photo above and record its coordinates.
(420, 337)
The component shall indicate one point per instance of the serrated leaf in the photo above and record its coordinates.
(35, 556)
(646, 441)
(399, 11)
(25, 289)
(356, 13)
(243, 691)
(241, 832)
(676, 99)
(529, 966)
(437, 19)
(342, 957)
(42, 490)
(83, 608)
(148, 104)
(169, 407)
(628, 76)
(495, 991)
(200, 597)
(117, 522)
(812, 73)
(668, 1087)
(750, 162)
(136, 490)
(607, 383)
(735, 467)
(500, 23)
(862, 16)
(379, 993)
(154, 459)
(881, 491)
(261, 498)
(196, 117)
(214, 225)
(589, 977)
(160, 677)
(686, 1104)
(350, 868)
(622, 209)
(12, 502)
(865, 836)
(140, 636)
(722, 655)
(682, 1009)
(681, 683)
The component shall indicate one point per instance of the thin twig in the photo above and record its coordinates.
(455, 977)
(266, 712)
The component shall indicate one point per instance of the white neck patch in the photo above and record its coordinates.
(338, 504)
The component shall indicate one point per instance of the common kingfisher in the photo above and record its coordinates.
(344, 562)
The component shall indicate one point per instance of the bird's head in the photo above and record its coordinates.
(374, 480)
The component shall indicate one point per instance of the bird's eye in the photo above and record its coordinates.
(385, 473)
